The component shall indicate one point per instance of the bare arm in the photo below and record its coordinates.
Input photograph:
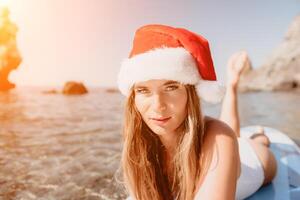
(219, 182)
(229, 113)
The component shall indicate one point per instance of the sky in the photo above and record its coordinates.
(86, 40)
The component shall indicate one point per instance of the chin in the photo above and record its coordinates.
(160, 130)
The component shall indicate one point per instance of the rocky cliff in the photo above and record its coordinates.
(281, 71)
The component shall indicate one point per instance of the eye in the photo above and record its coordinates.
(172, 87)
(141, 90)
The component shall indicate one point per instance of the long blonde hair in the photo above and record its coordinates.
(142, 158)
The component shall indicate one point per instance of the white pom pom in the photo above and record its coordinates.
(210, 91)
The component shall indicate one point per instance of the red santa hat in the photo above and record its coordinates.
(164, 52)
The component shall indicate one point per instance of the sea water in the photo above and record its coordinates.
(54, 146)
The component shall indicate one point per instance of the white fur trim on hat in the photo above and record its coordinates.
(210, 91)
(165, 63)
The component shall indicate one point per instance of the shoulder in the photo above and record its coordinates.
(217, 132)
(217, 127)
(219, 139)
(219, 161)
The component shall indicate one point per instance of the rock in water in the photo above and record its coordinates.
(9, 55)
(52, 91)
(281, 71)
(111, 90)
(72, 87)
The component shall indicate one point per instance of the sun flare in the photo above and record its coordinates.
(4, 2)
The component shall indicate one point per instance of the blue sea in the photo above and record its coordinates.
(56, 147)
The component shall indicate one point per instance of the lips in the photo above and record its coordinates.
(161, 119)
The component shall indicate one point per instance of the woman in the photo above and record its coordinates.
(171, 151)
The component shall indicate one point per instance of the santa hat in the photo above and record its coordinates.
(164, 52)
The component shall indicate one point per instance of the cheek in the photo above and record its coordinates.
(179, 108)
(141, 105)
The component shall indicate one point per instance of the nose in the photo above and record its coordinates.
(159, 103)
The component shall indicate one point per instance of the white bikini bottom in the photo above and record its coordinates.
(252, 173)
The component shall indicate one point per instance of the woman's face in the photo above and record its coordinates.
(162, 104)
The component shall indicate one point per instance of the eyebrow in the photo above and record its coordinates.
(166, 83)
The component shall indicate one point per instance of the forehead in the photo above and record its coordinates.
(154, 83)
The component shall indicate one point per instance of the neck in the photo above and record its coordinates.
(169, 141)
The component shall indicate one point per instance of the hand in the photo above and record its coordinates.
(236, 63)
